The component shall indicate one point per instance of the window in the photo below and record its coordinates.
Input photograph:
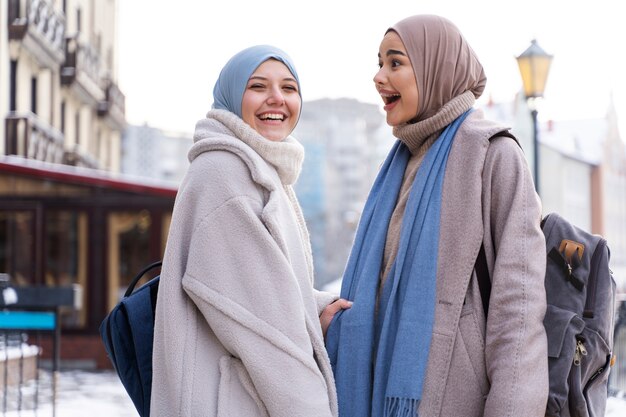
(129, 243)
(77, 127)
(66, 244)
(17, 246)
(13, 92)
(63, 117)
(33, 95)
(96, 146)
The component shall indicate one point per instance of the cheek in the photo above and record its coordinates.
(247, 117)
(410, 93)
(294, 104)
(248, 108)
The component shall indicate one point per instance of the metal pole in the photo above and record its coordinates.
(56, 353)
(536, 147)
(21, 373)
(6, 373)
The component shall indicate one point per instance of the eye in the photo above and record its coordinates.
(380, 64)
(395, 63)
(256, 86)
(291, 88)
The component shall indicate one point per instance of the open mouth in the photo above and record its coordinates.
(390, 98)
(272, 116)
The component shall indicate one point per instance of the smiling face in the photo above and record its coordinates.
(395, 80)
(271, 103)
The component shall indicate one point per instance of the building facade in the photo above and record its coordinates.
(68, 217)
(345, 143)
(151, 152)
(60, 100)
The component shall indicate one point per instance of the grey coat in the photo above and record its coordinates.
(496, 367)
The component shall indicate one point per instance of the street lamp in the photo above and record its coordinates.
(534, 65)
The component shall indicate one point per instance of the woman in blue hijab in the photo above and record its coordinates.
(237, 330)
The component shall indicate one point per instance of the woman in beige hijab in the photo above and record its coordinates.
(418, 340)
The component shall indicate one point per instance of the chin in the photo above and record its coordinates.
(393, 122)
(275, 137)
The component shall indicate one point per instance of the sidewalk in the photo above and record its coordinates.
(100, 394)
(79, 394)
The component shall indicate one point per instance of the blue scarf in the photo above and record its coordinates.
(379, 357)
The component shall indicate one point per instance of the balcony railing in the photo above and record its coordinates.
(113, 107)
(27, 136)
(40, 29)
(82, 69)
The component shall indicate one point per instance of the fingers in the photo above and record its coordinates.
(340, 304)
(330, 311)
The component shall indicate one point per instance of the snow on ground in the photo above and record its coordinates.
(79, 393)
(615, 407)
(100, 394)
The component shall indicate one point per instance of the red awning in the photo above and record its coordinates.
(86, 176)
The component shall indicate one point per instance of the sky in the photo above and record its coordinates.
(170, 52)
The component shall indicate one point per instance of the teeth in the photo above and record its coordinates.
(271, 116)
(389, 95)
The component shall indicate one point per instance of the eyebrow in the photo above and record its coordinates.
(259, 77)
(393, 52)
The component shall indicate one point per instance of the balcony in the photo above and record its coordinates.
(27, 136)
(81, 70)
(78, 158)
(39, 28)
(112, 108)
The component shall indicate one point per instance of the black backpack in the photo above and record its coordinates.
(579, 319)
(128, 333)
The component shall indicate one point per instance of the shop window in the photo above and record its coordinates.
(17, 246)
(165, 229)
(129, 249)
(66, 244)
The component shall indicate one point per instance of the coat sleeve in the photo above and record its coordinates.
(516, 345)
(323, 299)
(245, 289)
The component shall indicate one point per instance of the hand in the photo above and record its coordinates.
(330, 311)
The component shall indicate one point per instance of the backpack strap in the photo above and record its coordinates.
(137, 277)
(481, 268)
(506, 133)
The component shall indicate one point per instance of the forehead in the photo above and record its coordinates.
(391, 40)
(272, 68)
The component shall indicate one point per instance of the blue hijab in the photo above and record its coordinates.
(231, 84)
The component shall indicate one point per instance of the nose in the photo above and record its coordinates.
(276, 97)
(379, 77)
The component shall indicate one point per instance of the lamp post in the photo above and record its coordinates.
(534, 65)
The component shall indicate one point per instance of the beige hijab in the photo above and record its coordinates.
(445, 65)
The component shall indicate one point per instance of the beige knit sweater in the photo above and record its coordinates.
(418, 137)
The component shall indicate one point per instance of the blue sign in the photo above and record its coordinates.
(27, 320)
